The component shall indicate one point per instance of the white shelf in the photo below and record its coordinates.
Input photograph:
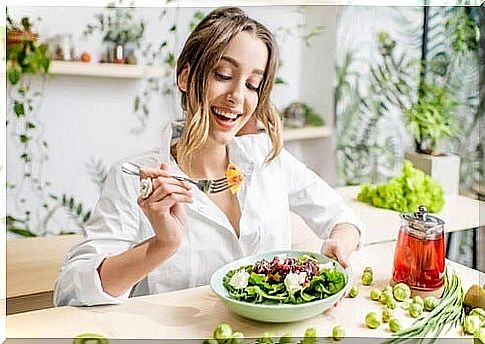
(107, 70)
(294, 134)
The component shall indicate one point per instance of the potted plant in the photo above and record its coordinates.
(24, 54)
(18, 33)
(120, 30)
(300, 114)
(430, 119)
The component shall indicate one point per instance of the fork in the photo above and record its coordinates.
(205, 185)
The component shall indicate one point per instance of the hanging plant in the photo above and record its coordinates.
(26, 58)
(159, 54)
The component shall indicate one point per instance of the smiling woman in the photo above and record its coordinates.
(232, 89)
(173, 236)
(237, 57)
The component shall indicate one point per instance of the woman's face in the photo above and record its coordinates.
(233, 86)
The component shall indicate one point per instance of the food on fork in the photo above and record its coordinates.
(234, 177)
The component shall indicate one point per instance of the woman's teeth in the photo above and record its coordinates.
(226, 114)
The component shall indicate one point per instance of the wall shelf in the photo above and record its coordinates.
(306, 133)
(107, 70)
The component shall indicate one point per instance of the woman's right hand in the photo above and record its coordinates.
(164, 208)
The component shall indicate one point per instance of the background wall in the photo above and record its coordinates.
(89, 122)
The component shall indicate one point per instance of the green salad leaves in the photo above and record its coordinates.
(292, 283)
(405, 192)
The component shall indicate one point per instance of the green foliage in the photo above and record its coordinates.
(449, 312)
(391, 82)
(312, 117)
(300, 109)
(117, 25)
(27, 57)
(279, 81)
(76, 209)
(157, 54)
(19, 226)
(405, 192)
(430, 119)
(196, 19)
(450, 76)
(343, 74)
(98, 172)
(464, 32)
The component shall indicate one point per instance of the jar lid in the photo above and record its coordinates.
(421, 220)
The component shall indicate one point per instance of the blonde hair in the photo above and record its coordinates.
(201, 52)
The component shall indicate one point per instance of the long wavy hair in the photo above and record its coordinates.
(201, 52)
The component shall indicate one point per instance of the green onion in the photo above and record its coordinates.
(448, 313)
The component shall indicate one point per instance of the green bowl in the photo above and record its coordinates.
(275, 313)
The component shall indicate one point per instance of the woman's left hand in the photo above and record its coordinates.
(336, 249)
(343, 240)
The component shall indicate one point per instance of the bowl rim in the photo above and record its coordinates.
(279, 305)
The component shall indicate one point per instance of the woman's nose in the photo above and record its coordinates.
(236, 93)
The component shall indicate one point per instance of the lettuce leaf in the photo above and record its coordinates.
(405, 192)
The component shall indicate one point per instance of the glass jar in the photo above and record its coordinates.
(419, 259)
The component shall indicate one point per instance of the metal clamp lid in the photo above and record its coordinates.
(421, 220)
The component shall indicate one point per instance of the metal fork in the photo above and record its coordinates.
(205, 185)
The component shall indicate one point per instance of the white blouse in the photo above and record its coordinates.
(268, 194)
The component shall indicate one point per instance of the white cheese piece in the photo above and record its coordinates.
(294, 282)
(239, 280)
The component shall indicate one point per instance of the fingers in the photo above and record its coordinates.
(161, 181)
(161, 176)
(343, 260)
(164, 188)
(332, 249)
(329, 249)
(167, 187)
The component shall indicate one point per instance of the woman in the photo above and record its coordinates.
(177, 236)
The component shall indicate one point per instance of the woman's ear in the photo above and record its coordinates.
(183, 79)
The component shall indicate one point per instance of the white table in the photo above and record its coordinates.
(459, 213)
(194, 313)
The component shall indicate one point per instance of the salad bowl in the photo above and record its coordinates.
(276, 312)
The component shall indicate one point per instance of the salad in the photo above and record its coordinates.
(284, 280)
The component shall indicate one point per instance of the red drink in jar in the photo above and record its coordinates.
(419, 259)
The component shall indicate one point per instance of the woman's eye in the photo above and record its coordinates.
(222, 76)
(252, 87)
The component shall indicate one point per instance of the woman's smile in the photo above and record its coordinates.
(224, 117)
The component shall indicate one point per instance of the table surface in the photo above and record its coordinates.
(33, 263)
(194, 313)
(458, 213)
